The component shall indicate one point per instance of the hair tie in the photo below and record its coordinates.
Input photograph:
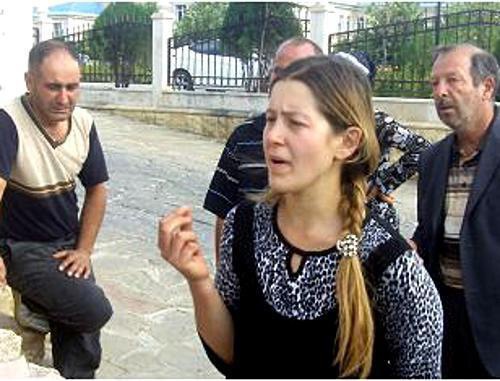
(348, 246)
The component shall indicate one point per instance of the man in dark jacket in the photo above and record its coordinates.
(458, 233)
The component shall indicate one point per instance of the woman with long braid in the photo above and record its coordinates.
(310, 284)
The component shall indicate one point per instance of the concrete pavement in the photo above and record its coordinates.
(152, 170)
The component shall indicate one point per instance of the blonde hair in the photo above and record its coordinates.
(343, 95)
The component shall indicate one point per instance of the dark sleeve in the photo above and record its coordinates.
(417, 235)
(222, 194)
(216, 360)
(8, 144)
(393, 135)
(94, 169)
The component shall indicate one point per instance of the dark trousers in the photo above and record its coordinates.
(76, 308)
(460, 356)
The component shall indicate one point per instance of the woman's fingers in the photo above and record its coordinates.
(186, 211)
(178, 246)
(170, 224)
(188, 252)
(174, 233)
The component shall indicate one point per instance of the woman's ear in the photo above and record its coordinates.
(350, 139)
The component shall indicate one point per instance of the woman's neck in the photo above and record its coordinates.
(309, 220)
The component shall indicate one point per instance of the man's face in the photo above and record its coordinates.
(290, 53)
(458, 102)
(54, 87)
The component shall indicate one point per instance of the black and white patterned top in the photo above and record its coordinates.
(392, 135)
(407, 299)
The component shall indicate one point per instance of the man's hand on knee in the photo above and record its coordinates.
(75, 263)
(3, 273)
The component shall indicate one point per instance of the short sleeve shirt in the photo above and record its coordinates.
(241, 169)
(39, 202)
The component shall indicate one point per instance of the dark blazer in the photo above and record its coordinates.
(479, 236)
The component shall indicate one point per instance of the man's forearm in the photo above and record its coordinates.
(91, 217)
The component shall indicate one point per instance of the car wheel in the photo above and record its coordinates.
(182, 80)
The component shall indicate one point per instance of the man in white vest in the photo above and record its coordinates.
(46, 143)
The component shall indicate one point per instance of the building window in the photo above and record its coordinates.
(341, 23)
(180, 11)
(348, 25)
(58, 30)
(36, 36)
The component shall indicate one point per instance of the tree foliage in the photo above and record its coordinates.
(249, 31)
(124, 11)
(392, 12)
(253, 31)
(122, 34)
(200, 18)
(251, 27)
(402, 49)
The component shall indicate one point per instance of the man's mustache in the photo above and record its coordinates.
(441, 103)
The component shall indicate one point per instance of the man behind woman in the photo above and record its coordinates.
(310, 284)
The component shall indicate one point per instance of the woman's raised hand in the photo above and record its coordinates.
(179, 244)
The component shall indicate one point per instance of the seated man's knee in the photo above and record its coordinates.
(88, 312)
(97, 312)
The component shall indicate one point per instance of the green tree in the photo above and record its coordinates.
(250, 27)
(122, 37)
(250, 31)
(200, 18)
(402, 49)
(253, 31)
(392, 12)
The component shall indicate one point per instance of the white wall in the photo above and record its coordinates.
(16, 39)
(410, 110)
(71, 23)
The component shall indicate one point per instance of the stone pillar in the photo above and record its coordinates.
(44, 23)
(163, 26)
(16, 39)
(322, 24)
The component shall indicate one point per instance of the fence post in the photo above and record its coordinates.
(321, 24)
(163, 25)
(438, 23)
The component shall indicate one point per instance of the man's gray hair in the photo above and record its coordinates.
(44, 49)
(483, 63)
(298, 41)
